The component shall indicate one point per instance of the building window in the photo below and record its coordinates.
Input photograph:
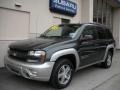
(103, 13)
(65, 21)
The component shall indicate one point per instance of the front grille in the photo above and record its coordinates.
(17, 54)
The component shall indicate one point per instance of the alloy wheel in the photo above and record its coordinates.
(64, 74)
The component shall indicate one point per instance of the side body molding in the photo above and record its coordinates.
(60, 53)
(107, 49)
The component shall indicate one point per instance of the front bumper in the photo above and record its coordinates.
(41, 72)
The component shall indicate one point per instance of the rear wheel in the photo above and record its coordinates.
(62, 74)
(108, 61)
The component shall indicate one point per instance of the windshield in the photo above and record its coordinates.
(61, 31)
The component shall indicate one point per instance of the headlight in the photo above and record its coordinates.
(38, 54)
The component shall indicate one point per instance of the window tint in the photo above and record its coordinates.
(101, 33)
(89, 30)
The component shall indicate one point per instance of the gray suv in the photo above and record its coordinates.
(63, 49)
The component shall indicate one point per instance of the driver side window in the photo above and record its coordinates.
(89, 31)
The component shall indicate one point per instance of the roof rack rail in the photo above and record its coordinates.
(96, 23)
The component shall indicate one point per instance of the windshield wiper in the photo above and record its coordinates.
(54, 36)
(59, 37)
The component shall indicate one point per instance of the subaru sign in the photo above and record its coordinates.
(63, 7)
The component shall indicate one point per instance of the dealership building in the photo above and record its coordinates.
(23, 19)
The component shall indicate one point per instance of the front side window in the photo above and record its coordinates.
(62, 31)
(89, 31)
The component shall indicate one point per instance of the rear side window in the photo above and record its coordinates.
(101, 33)
(104, 33)
(108, 34)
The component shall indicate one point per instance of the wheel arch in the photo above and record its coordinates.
(70, 54)
(70, 57)
(110, 48)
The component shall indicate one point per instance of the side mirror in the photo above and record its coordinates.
(86, 38)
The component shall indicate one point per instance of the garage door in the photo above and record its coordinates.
(14, 25)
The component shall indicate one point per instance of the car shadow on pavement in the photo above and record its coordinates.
(9, 81)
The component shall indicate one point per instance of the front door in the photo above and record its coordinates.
(88, 49)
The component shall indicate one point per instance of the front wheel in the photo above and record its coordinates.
(62, 74)
(108, 61)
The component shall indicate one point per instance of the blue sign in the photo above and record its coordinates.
(118, 1)
(63, 7)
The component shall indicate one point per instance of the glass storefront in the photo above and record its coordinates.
(103, 13)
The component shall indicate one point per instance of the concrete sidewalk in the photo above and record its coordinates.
(111, 84)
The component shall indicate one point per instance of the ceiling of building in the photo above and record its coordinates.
(114, 3)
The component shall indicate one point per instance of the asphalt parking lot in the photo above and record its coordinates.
(91, 78)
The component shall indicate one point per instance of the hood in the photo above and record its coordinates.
(36, 43)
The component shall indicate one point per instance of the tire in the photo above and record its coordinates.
(108, 61)
(62, 74)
